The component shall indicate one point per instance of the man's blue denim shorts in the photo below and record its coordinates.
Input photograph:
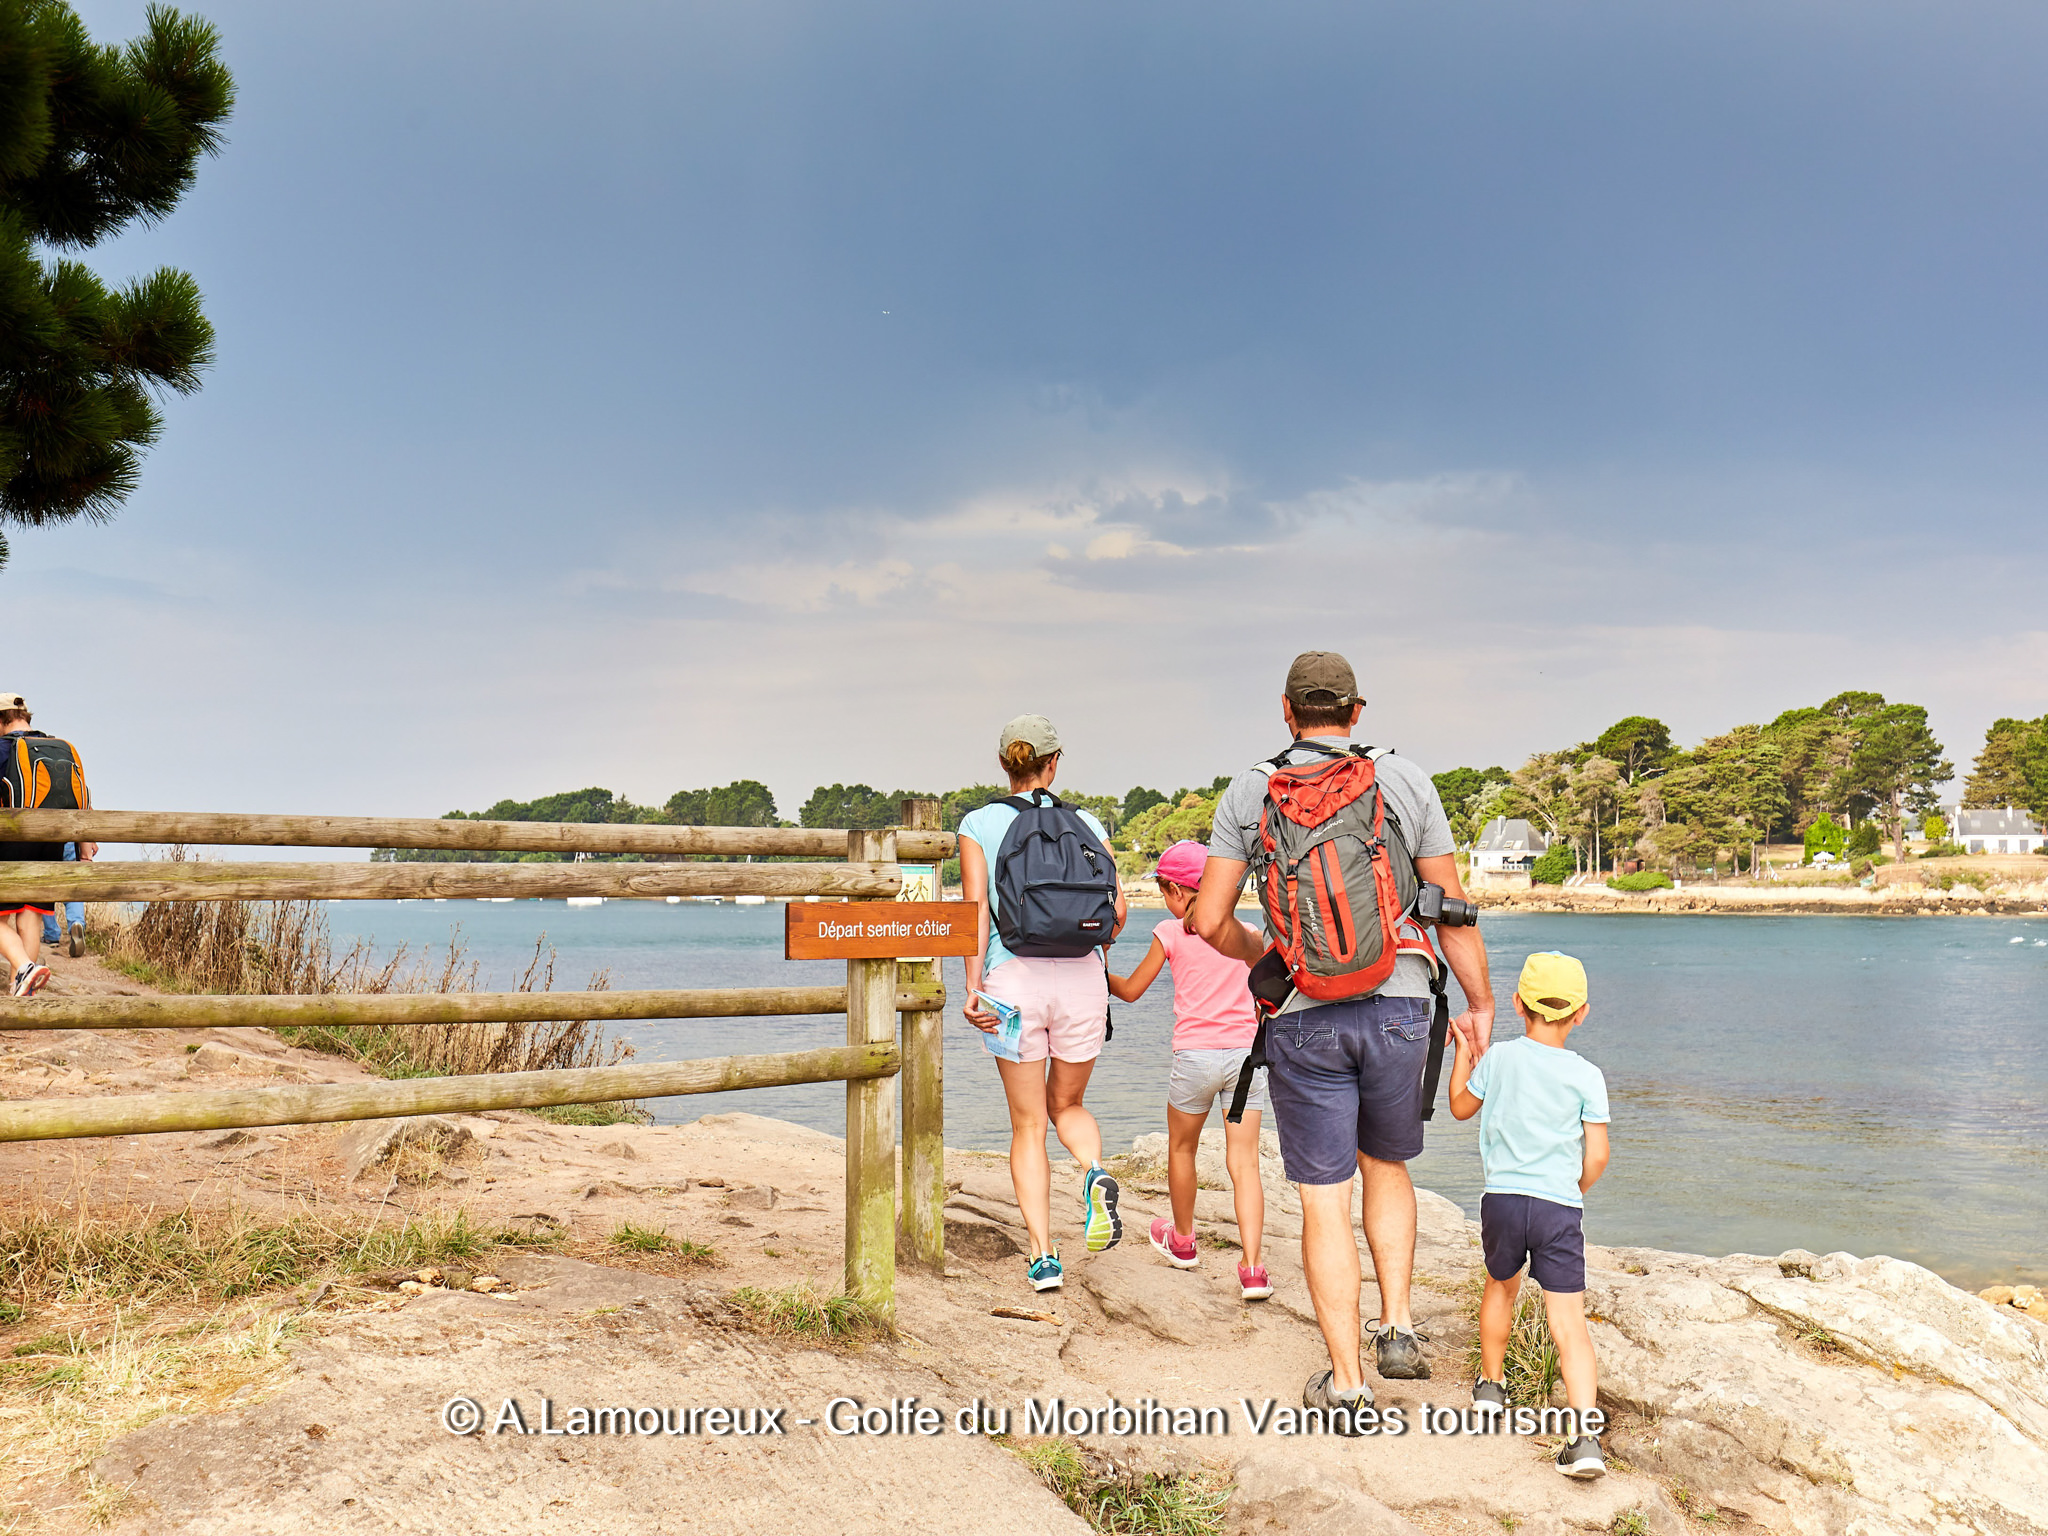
(1346, 1078)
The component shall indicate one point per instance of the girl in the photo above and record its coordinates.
(1065, 1008)
(1213, 1025)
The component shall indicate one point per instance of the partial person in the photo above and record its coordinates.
(71, 914)
(37, 771)
(1050, 905)
(1344, 897)
(1543, 1121)
(1213, 1028)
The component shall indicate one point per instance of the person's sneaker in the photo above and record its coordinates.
(1045, 1272)
(1252, 1283)
(1337, 1410)
(77, 940)
(1582, 1457)
(1179, 1251)
(30, 979)
(1098, 1210)
(1400, 1353)
(1490, 1397)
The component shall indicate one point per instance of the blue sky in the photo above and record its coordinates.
(649, 395)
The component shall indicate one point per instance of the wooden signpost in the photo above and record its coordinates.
(873, 930)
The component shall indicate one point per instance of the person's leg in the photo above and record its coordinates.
(1566, 1311)
(51, 933)
(1183, 1141)
(1071, 1122)
(18, 952)
(1390, 1234)
(1247, 1194)
(1329, 1262)
(1030, 1172)
(1496, 1320)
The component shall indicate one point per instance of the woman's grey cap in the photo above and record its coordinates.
(1034, 730)
(1322, 679)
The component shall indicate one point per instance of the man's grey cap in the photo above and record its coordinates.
(1034, 730)
(1322, 679)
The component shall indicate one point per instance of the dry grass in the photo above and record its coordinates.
(799, 1311)
(121, 1320)
(1109, 1499)
(285, 947)
(1532, 1367)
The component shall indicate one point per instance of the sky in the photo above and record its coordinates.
(652, 395)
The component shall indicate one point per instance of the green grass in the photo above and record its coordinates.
(1532, 1367)
(1641, 880)
(616, 1112)
(629, 1238)
(1630, 1522)
(1141, 1503)
(219, 1256)
(799, 1311)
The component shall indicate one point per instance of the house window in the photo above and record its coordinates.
(1976, 845)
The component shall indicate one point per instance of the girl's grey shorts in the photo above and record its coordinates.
(1199, 1076)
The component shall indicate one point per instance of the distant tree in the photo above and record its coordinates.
(1998, 779)
(956, 805)
(1459, 788)
(94, 140)
(1541, 791)
(1638, 745)
(742, 803)
(1894, 765)
(1934, 828)
(1138, 800)
(1864, 839)
(1553, 866)
(856, 806)
(1152, 832)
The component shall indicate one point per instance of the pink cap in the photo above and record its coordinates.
(1182, 863)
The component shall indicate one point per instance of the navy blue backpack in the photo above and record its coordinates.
(1055, 883)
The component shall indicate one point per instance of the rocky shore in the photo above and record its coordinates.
(1798, 1393)
(1883, 900)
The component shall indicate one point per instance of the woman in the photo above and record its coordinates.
(1065, 1008)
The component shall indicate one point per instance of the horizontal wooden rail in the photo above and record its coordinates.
(208, 880)
(241, 1108)
(216, 828)
(387, 1009)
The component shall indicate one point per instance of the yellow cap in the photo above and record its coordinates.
(1557, 977)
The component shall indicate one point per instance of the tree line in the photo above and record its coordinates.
(1839, 774)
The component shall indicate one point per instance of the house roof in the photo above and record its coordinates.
(1506, 834)
(1993, 824)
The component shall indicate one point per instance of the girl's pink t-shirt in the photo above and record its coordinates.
(1212, 998)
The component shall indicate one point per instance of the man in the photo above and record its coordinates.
(1345, 1078)
(21, 922)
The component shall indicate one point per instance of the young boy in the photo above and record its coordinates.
(1543, 1142)
(1213, 1026)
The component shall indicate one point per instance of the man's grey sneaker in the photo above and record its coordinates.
(1098, 1210)
(1581, 1457)
(29, 980)
(1044, 1272)
(1400, 1353)
(77, 940)
(1338, 1411)
(1490, 1397)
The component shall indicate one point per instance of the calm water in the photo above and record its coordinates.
(1878, 1085)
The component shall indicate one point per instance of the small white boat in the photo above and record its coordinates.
(750, 901)
(586, 901)
(672, 900)
(496, 898)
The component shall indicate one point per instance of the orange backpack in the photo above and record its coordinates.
(41, 772)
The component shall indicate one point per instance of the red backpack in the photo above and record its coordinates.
(1338, 884)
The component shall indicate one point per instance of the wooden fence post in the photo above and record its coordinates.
(871, 1118)
(924, 1090)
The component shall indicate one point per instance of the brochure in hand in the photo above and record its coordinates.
(1008, 1037)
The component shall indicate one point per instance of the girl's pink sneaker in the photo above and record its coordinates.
(1179, 1251)
(1252, 1281)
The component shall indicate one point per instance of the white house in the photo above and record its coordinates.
(1507, 846)
(1995, 831)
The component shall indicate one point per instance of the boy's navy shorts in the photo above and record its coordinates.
(1346, 1078)
(1548, 1237)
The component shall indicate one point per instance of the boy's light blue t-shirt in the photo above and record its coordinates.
(988, 827)
(1531, 1140)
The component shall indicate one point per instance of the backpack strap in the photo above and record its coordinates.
(1439, 1031)
(1031, 803)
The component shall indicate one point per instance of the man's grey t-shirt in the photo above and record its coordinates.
(1410, 798)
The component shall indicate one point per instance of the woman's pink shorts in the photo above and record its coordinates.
(1065, 1004)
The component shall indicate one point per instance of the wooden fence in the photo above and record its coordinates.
(874, 998)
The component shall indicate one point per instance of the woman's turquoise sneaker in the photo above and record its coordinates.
(1098, 1210)
(1045, 1272)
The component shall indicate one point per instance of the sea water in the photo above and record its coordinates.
(1870, 1084)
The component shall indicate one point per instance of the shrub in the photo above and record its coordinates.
(1641, 880)
(1554, 866)
(1865, 840)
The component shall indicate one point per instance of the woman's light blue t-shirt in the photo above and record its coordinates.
(988, 827)
(1531, 1140)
